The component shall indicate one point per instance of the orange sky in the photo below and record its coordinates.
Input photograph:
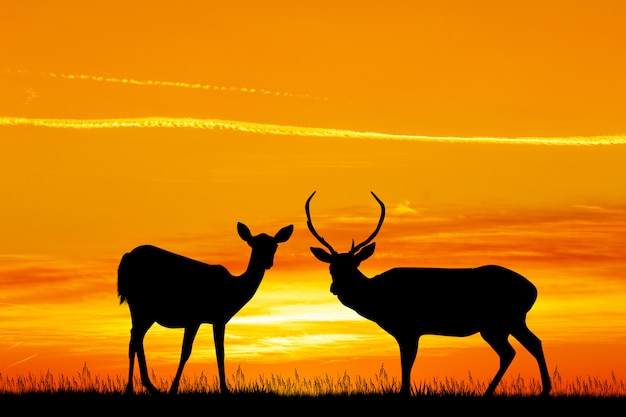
(75, 199)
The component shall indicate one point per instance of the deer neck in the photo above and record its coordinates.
(252, 276)
(352, 287)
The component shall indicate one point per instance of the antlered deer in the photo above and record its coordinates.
(178, 292)
(411, 302)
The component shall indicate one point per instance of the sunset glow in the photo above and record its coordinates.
(494, 133)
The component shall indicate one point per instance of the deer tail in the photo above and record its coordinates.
(123, 277)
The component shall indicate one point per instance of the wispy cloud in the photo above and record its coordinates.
(170, 84)
(571, 241)
(290, 130)
(28, 282)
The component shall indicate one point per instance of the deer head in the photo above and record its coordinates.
(343, 266)
(264, 246)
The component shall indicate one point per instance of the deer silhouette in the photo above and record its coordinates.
(178, 292)
(411, 302)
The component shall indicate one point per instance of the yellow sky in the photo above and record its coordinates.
(283, 101)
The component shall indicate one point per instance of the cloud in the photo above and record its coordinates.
(290, 130)
(170, 84)
(28, 281)
(403, 208)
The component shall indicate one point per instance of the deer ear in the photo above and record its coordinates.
(321, 254)
(284, 234)
(366, 252)
(244, 232)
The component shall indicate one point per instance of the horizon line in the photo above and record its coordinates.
(291, 130)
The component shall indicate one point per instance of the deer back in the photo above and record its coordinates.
(439, 300)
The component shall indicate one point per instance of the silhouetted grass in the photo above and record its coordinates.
(296, 385)
(275, 393)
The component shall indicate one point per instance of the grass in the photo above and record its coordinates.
(295, 385)
(275, 393)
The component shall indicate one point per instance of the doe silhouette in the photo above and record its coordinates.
(411, 302)
(178, 292)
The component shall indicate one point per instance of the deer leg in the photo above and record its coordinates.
(533, 344)
(408, 353)
(499, 342)
(137, 334)
(218, 337)
(188, 338)
(131, 366)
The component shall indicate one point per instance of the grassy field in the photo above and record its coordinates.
(83, 393)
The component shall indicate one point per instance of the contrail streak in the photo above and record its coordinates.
(14, 345)
(175, 84)
(288, 130)
(18, 362)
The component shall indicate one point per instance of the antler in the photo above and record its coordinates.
(312, 229)
(358, 247)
